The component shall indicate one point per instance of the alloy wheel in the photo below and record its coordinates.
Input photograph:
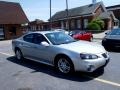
(64, 66)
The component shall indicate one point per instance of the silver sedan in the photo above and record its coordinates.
(60, 50)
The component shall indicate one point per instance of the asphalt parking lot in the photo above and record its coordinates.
(29, 75)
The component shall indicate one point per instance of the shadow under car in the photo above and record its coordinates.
(38, 67)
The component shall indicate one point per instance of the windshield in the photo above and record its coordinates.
(59, 38)
(115, 32)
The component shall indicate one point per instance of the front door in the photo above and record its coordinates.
(41, 52)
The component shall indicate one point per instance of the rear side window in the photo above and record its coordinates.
(29, 38)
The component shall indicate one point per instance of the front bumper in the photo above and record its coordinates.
(92, 65)
(109, 43)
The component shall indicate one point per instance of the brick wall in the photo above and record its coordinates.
(12, 31)
(98, 11)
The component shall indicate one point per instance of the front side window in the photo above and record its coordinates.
(85, 23)
(39, 38)
(59, 38)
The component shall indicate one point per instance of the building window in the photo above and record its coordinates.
(34, 28)
(62, 24)
(31, 27)
(115, 23)
(39, 28)
(1, 33)
(66, 24)
(72, 24)
(78, 24)
(85, 23)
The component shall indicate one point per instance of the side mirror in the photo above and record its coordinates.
(45, 44)
(70, 34)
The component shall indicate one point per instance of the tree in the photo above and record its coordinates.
(99, 22)
(96, 24)
(93, 26)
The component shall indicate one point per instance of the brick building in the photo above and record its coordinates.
(116, 10)
(12, 17)
(80, 17)
(38, 25)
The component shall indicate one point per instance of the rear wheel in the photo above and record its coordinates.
(18, 54)
(64, 65)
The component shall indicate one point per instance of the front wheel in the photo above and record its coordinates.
(64, 65)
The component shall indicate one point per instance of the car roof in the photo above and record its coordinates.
(43, 32)
(78, 31)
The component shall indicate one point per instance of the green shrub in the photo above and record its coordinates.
(93, 26)
(99, 22)
(96, 24)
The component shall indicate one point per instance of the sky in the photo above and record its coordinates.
(39, 9)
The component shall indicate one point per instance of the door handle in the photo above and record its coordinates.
(35, 47)
(27, 46)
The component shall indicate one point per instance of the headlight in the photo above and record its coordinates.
(88, 56)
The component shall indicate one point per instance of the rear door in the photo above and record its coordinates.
(27, 45)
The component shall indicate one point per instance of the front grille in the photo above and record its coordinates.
(104, 55)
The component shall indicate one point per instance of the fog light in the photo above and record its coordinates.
(90, 68)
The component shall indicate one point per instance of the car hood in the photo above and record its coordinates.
(83, 47)
(112, 37)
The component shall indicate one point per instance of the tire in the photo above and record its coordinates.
(91, 39)
(64, 65)
(101, 69)
(18, 54)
